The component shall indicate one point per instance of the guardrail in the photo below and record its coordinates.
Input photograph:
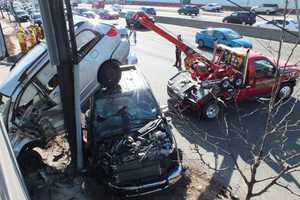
(251, 31)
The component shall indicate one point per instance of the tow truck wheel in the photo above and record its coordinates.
(109, 73)
(285, 91)
(211, 110)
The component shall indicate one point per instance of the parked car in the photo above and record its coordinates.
(131, 21)
(21, 16)
(36, 18)
(208, 37)
(130, 144)
(266, 8)
(188, 10)
(89, 14)
(149, 11)
(212, 7)
(116, 7)
(108, 14)
(290, 24)
(30, 95)
(241, 17)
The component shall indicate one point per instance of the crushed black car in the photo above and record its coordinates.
(130, 144)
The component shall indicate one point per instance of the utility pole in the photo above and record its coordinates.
(61, 53)
(298, 15)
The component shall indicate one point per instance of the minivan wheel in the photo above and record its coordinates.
(211, 110)
(109, 73)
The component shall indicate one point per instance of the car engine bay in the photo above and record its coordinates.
(132, 158)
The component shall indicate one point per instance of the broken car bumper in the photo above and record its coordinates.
(133, 191)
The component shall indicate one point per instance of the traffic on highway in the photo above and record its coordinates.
(146, 125)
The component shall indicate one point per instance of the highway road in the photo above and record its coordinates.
(204, 15)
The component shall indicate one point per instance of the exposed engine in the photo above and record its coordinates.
(136, 156)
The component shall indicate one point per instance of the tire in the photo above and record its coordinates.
(109, 73)
(200, 43)
(285, 91)
(225, 21)
(268, 12)
(244, 23)
(211, 110)
(179, 13)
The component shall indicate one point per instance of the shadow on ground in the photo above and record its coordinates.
(245, 124)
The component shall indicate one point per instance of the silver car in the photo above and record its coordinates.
(30, 97)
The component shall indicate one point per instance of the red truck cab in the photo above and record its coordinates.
(259, 72)
(234, 74)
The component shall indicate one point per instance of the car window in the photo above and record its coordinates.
(232, 35)
(218, 35)
(263, 68)
(209, 32)
(83, 38)
(234, 14)
(37, 113)
(48, 81)
(123, 110)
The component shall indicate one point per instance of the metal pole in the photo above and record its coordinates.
(60, 53)
(298, 15)
(79, 135)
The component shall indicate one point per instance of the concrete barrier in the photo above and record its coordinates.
(263, 33)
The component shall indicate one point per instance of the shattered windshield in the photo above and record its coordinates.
(4, 106)
(122, 112)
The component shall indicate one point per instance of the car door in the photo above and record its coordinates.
(209, 38)
(11, 179)
(219, 37)
(235, 18)
(264, 78)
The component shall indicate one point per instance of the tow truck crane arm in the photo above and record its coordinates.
(191, 55)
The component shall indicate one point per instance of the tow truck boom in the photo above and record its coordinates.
(191, 55)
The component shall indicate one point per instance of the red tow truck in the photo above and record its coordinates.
(233, 75)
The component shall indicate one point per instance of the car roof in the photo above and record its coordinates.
(221, 29)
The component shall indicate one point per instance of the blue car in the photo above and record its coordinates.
(229, 37)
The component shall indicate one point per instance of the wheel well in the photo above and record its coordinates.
(290, 82)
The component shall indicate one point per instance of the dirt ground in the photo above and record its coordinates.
(194, 185)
